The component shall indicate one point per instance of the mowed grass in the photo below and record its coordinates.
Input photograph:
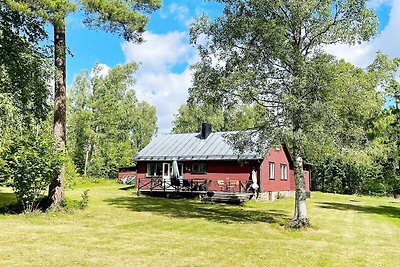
(120, 229)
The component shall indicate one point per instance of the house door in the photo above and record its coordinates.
(167, 174)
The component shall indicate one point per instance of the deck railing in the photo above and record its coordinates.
(158, 183)
(195, 184)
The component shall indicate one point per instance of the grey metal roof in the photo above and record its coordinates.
(191, 147)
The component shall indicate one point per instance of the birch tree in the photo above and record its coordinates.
(270, 52)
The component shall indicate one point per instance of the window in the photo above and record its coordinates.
(199, 168)
(154, 169)
(166, 169)
(272, 170)
(283, 172)
(180, 168)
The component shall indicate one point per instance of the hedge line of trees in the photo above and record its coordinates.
(352, 143)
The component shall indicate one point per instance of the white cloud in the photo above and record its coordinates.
(100, 70)
(180, 12)
(159, 50)
(156, 81)
(166, 91)
(388, 41)
(360, 55)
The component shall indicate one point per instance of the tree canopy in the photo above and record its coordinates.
(122, 17)
(107, 124)
(23, 63)
(240, 117)
(269, 52)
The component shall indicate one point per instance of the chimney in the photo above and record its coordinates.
(205, 130)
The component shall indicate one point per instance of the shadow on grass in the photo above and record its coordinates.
(183, 208)
(8, 203)
(128, 187)
(389, 211)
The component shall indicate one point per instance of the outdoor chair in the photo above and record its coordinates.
(232, 185)
(220, 184)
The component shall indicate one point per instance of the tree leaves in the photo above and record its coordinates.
(31, 163)
(107, 125)
(24, 68)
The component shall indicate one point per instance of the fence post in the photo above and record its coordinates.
(138, 187)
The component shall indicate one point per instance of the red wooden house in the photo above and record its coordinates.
(206, 162)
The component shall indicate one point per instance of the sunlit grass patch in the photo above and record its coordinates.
(120, 229)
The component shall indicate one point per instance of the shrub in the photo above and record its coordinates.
(31, 162)
(83, 203)
(71, 205)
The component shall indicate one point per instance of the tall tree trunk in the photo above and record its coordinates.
(300, 218)
(397, 167)
(56, 188)
(87, 153)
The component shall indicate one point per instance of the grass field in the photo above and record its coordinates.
(119, 229)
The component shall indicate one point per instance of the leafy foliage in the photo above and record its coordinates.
(24, 67)
(352, 145)
(31, 163)
(239, 117)
(269, 53)
(10, 120)
(107, 124)
(123, 17)
(72, 204)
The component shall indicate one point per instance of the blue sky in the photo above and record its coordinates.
(164, 76)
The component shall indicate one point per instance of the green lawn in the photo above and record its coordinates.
(119, 229)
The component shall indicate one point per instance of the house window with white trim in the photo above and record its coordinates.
(199, 167)
(284, 172)
(154, 169)
(272, 170)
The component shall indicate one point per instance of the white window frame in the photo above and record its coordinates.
(166, 170)
(284, 172)
(180, 168)
(271, 170)
(148, 168)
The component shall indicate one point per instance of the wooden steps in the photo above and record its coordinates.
(226, 197)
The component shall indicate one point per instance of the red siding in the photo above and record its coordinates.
(223, 170)
(126, 173)
(278, 157)
(235, 171)
(292, 180)
(228, 171)
(307, 179)
(141, 170)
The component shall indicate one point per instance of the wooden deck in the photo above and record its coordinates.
(205, 196)
(172, 193)
(191, 189)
